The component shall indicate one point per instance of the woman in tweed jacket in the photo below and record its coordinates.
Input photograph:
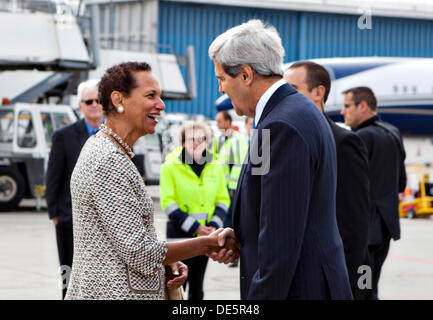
(116, 251)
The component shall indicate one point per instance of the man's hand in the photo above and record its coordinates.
(229, 250)
(55, 221)
(176, 274)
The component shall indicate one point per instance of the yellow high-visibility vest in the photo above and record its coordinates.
(181, 188)
(173, 154)
(232, 151)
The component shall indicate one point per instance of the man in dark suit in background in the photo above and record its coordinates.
(65, 149)
(387, 172)
(284, 206)
(352, 199)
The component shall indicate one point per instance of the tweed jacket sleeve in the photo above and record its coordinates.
(119, 203)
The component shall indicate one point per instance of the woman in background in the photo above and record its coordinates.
(194, 196)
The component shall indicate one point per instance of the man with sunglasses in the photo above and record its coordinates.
(66, 147)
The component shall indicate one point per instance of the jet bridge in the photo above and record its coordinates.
(44, 53)
(41, 35)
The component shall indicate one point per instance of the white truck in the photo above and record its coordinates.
(25, 139)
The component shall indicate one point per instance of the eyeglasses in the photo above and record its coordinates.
(348, 105)
(197, 139)
(90, 101)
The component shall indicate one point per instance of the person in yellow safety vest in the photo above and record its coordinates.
(230, 150)
(193, 193)
(249, 127)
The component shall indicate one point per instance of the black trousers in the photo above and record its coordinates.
(196, 270)
(65, 248)
(378, 255)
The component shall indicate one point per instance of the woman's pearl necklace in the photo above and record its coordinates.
(111, 133)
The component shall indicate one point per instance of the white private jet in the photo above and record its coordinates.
(403, 88)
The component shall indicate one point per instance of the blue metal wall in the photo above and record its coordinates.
(326, 35)
(304, 35)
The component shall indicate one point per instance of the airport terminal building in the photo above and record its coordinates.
(309, 29)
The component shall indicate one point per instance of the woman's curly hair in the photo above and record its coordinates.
(119, 78)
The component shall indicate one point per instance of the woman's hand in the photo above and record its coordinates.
(176, 274)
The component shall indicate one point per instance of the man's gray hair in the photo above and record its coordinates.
(88, 85)
(251, 43)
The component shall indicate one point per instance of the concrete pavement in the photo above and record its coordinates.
(29, 261)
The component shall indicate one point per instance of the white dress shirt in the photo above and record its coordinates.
(265, 98)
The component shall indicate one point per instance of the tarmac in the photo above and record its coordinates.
(29, 267)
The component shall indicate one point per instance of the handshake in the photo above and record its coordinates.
(226, 248)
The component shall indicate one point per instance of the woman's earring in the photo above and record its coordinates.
(120, 109)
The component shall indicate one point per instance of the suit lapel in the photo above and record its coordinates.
(82, 134)
(278, 95)
(282, 92)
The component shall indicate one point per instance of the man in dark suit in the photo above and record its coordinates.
(284, 206)
(65, 149)
(352, 199)
(387, 172)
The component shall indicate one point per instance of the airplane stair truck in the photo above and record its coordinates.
(46, 51)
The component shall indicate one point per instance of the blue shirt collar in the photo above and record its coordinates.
(90, 129)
